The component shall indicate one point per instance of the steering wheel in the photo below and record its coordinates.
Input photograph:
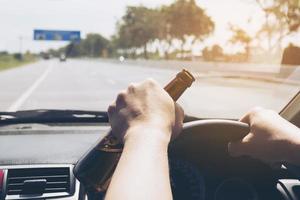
(203, 143)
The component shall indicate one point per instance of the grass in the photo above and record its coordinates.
(9, 61)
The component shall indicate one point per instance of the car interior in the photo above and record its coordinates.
(41, 156)
(40, 147)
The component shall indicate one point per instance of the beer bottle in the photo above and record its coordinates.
(95, 168)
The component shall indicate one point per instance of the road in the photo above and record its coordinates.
(93, 84)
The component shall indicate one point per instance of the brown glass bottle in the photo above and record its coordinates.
(95, 168)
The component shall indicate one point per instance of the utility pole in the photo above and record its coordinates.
(20, 46)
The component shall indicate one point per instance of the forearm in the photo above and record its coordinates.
(142, 172)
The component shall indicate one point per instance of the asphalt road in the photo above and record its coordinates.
(93, 84)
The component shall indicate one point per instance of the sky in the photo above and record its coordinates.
(18, 19)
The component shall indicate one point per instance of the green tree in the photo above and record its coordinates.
(241, 37)
(164, 31)
(282, 18)
(94, 45)
(137, 28)
(187, 20)
(213, 53)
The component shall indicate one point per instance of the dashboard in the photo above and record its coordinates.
(36, 162)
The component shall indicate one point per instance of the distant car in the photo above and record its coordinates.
(45, 56)
(62, 58)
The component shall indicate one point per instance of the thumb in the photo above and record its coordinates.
(236, 149)
(179, 114)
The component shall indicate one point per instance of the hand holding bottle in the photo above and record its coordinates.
(147, 106)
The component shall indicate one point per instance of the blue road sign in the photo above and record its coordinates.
(56, 35)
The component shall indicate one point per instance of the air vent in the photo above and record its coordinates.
(39, 181)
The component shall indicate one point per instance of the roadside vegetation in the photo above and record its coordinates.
(172, 31)
(8, 61)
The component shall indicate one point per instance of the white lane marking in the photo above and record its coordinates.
(17, 104)
(111, 81)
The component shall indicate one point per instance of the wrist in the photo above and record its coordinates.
(147, 134)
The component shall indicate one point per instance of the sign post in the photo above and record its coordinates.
(56, 35)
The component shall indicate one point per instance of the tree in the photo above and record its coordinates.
(282, 17)
(240, 37)
(182, 21)
(137, 28)
(187, 20)
(213, 53)
(94, 45)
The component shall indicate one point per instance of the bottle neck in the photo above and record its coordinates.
(175, 88)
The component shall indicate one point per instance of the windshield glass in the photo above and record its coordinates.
(75, 54)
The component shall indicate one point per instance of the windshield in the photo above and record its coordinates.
(75, 54)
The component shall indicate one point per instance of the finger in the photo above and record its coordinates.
(245, 119)
(240, 148)
(121, 100)
(132, 87)
(248, 116)
(149, 83)
(179, 114)
(111, 110)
